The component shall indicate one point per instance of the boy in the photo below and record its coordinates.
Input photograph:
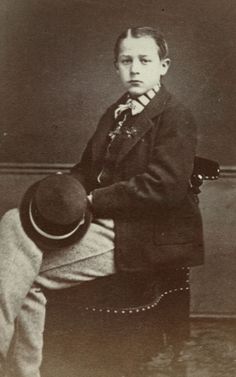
(136, 170)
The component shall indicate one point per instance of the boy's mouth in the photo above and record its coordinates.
(135, 82)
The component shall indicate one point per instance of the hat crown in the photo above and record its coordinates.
(60, 199)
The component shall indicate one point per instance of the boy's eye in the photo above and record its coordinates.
(126, 61)
(145, 60)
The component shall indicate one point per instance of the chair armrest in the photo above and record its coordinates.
(204, 169)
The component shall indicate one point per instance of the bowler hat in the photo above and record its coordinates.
(54, 212)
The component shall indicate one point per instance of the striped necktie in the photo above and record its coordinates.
(137, 105)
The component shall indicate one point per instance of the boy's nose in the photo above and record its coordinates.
(135, 67)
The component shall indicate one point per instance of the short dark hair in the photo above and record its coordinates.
(144, 31)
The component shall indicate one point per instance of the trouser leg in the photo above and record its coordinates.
(20, 261)
(25, 354)
(91, 257)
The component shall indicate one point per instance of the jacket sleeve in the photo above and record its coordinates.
(165, 182)
(81, 170)
(84, 171)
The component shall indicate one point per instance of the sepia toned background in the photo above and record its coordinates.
(57, 78)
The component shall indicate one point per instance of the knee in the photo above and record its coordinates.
(12, 232)
(10, 217)
(10, 220)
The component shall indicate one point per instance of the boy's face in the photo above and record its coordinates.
(139, 66)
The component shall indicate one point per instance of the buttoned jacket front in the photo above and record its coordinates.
(156, 215)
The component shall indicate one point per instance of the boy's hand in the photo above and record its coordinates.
(90, 199)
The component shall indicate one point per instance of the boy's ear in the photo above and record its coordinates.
(165, 63)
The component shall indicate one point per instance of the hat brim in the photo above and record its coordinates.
(45, 243)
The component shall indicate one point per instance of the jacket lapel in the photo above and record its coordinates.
(99, 139)
(142, 122)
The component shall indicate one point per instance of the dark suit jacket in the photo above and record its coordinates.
(156, 215)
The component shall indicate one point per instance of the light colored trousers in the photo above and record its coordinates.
(23, 269)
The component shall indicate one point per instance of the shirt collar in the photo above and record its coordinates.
(138, 104)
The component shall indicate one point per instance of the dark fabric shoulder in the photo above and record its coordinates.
(178, 114)
(174, 104)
